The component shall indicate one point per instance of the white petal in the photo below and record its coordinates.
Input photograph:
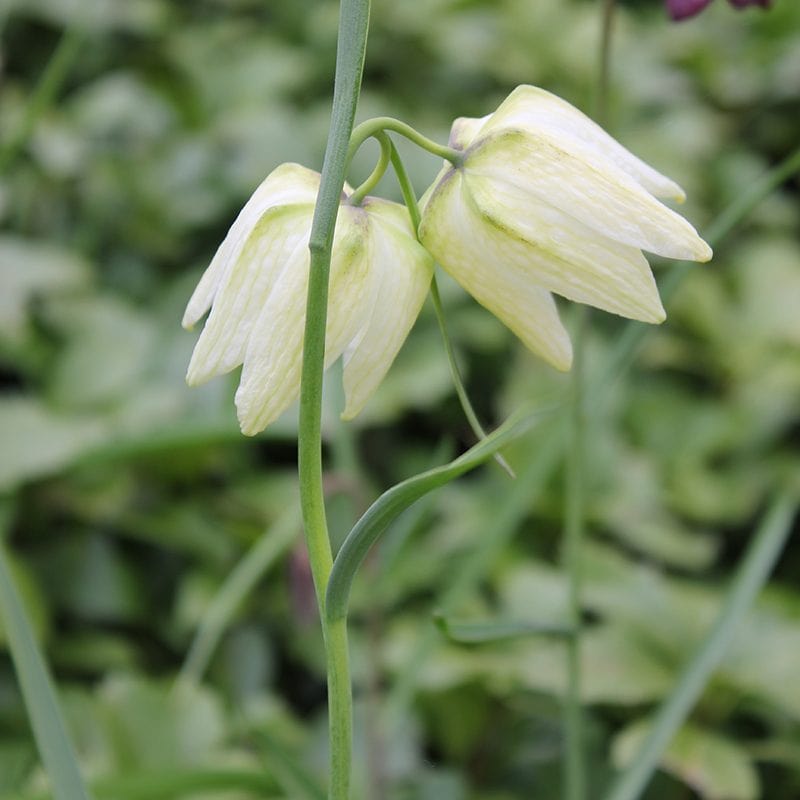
(464, 130)
(597, 194)
(494, 271)
(287, 184)
(400, 276)
(271, 374)
(275, 244)
(533, 109)
(565, 256)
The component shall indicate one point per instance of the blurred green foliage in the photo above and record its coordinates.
(130, 498)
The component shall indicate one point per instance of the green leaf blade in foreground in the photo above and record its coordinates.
(394, 501)
(756, 566)
(49, 730)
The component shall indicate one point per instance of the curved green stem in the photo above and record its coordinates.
(350, 53)
(373, 126)
(410, 198)
(458, 381)
(380, 168)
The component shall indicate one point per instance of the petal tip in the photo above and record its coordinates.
(705, 253)
(248, 421)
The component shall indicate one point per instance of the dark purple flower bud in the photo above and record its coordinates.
(744, 3)
(683, 9)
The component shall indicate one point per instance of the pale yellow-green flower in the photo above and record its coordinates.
(546, 201)
(256, 289)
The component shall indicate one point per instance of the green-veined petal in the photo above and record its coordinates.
(486, 263)
(532, 108)
(275, 244)
(598, 194)
(563, 255)
(288, 184)
(401, 271)
(270, 380)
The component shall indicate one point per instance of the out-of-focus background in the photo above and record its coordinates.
(130, 135)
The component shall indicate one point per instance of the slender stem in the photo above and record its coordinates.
(378, 124)
(458, 381)
(758, 561)
(574, 529)
(604, 61)
(350, 53)
(407, 190)
(410, 198)
(575, 512)
(380, 168)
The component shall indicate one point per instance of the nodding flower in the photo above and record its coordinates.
(256, 288)
(543, 200)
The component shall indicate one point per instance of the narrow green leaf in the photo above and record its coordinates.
(496, 630)
(753, 573)
(716, 768)
(241, 581)
(397, 499)
(49, 730)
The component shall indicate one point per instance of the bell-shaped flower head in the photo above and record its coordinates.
(256, 288)
(546, 201)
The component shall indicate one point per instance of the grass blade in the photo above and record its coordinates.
(753, 573)
(49, 730)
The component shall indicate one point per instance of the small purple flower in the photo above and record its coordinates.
(683, 9)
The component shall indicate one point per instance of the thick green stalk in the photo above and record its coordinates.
(351, 49)
(753, 573)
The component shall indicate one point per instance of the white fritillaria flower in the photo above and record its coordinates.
(256, 288)
(546, 201)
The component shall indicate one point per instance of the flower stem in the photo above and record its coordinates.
(574, 529)
(458, 381)
(380, 168)
(410, 198)
(378, 124)
(574, 516)
(351, 49)
(604, 61)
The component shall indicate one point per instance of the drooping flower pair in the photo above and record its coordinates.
(541, 200)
